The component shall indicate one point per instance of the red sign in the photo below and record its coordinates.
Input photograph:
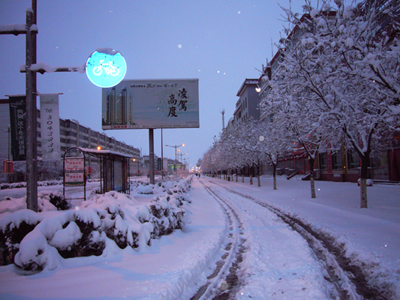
(74, 164)
(8, 166)
(89, 170)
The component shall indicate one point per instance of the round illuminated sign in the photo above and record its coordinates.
(106, 67)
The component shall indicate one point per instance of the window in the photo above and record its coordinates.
(353, 159)
(337, 160)
(323, 161)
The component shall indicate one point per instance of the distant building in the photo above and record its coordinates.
(72, 134)
(247, 104)
(166, 164)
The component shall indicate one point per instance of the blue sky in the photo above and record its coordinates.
(219, 42)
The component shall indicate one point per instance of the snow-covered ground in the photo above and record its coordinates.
(277, 262)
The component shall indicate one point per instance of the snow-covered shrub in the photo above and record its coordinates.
(35, 241)
(67, 240)
(55, 198)
(35, 253)
(13, 228)
(167, 216)
(92, 241)
(145, 189)
(15, 204)
(16, 185)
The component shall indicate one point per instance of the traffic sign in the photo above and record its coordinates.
(106, 67)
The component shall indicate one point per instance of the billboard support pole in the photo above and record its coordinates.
(162, 155)
(151, 154)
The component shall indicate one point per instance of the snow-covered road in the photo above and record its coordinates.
(277, 261)
(235, 224)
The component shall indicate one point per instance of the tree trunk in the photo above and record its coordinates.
(274, 175)
(258, 174)
(312, 183)
(363, 180)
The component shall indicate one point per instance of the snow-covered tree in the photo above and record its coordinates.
(245, 140)
(345, 64)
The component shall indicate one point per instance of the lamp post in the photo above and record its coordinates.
(30, 30)
(181, 155)
(176, 151)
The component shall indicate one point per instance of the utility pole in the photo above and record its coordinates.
(162, 155)
(151, 154)
(30, 30)
(223, 119)
(31, 119)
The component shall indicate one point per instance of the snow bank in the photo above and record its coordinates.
(94, 228)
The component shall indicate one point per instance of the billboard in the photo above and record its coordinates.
(153, 103)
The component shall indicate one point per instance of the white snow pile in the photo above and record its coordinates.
(47, 201)
(37, 241)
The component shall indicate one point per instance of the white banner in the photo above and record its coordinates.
(50, 126)
(74, 178)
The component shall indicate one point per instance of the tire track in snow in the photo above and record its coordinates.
(222, 282)
(347, 278)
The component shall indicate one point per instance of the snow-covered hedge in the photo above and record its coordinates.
(15, 185)
(34, 241)
(47, 201)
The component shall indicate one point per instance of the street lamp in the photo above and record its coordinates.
(176, 151)
(138, 167)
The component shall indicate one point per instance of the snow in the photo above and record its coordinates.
(12, 27)
(109, 51)
(348, 12)
(314, 12)
(349, 42)
(42, 66)
(277, 262)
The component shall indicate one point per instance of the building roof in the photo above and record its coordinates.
(103, 152)
(246, 83)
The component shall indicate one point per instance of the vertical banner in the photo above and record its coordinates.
(18, 127)
(50, 126)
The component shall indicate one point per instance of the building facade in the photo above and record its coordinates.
(72, 134)
(247, 105)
